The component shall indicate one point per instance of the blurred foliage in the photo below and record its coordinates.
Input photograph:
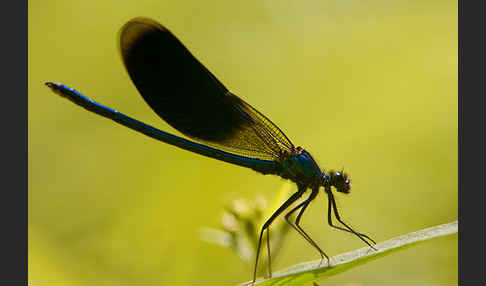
(241, 226)
(370, 86)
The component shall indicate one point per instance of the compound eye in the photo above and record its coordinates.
(347, 182)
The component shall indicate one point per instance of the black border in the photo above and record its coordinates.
(14, 207)
(471, 66)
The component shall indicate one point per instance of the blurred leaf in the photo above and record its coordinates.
(306, 273)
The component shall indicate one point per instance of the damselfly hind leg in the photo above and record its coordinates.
(266, 225)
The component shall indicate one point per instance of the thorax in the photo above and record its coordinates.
(299, 166)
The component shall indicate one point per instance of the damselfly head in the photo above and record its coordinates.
(340, 181)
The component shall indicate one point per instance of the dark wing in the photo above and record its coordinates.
(189, 98)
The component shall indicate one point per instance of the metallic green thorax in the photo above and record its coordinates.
(300, 167)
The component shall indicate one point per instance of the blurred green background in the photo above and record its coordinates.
(370, 86)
